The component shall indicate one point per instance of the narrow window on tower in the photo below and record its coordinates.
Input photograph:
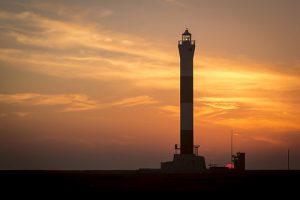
(186, 38)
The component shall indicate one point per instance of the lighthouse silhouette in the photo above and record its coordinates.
(187, 160)
(186, 50)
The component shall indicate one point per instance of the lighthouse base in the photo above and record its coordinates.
(185, 163)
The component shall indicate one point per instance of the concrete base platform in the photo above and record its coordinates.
(185, 163)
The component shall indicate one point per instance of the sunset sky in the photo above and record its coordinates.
(95, 84)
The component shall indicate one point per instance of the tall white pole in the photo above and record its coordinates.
(288, 159)
(231, 147)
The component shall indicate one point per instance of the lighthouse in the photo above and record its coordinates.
(186, 48)
(188, 159)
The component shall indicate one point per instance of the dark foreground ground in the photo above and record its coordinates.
(150, 182)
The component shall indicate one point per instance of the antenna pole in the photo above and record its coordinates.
(288, 159)
(231, 147)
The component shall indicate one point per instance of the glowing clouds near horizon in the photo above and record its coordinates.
(150, 69)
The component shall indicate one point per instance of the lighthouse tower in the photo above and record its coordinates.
(186, 48)
(187, 160)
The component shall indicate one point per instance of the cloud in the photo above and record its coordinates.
(127, 42)
(22, 114)
(171, 109)
(59, 34)
(84, 50)
(135, 101)
(71, 102)
(234, 91)
(174, 2)
(106, 13)
(87, 50)
(249, 112)
(244, 112)
(269, 140)
(223, 106)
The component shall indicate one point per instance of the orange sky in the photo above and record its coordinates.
(95, 84)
